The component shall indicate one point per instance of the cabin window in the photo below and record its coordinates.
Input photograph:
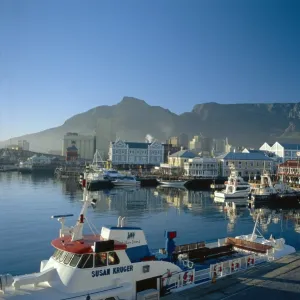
(86, 261)
(62, 257)
(68, 258)
(110, 298)
(100, 259)
(75, 260)
(113, 258)
(57, 253)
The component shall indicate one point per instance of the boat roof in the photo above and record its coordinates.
(82, 246)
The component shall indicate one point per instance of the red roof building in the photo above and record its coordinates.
(290, 168)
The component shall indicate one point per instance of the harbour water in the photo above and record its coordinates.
(27, 203)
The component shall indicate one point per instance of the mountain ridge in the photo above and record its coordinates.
(248, 124)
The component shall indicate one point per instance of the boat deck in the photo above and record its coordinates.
(276, 280)
(206, 264)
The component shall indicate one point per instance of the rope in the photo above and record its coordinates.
(90, 225)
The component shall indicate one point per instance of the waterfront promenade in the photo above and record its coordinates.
(276, 280)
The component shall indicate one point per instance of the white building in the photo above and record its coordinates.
(201, 167)
(136, 153)
(283, 150)
(84, 143)
(178, 159)
(247, 164)
(23, 144)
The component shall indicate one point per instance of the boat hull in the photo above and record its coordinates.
(277, 198)
(236, 195)
(120, 183)
(173, 183)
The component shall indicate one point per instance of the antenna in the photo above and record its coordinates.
(64, 229)
(122, 222)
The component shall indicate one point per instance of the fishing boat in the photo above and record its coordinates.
(118, 264)
(126, 181)
(266, 191)
(235, 188)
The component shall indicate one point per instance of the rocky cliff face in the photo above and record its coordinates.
(133, 119)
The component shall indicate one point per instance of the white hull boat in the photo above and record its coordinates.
(235, 187)
(236, 195)
(126, 181)
(118, 264)
(173, 183)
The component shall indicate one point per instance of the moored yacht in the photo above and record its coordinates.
(235, 188)
(118, 264)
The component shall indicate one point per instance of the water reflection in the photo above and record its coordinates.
(27, 201)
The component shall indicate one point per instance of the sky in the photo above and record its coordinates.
(62, 57)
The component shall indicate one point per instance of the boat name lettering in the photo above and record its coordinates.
(116, 270)
(131, 242)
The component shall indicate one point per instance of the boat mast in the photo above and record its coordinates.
(78, 228)
(254, 229)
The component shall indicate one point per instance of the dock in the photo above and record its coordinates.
(274, 280)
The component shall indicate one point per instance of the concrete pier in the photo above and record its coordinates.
(275, 280)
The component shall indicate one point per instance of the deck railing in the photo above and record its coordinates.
(215, 271)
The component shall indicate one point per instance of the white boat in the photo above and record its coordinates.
(172, 183)
(235, 188)
(126, 181)
(112, 174)
(118, 264)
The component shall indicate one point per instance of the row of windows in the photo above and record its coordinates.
(141, 152)
(244, 173)
(251, 164)
(197, 172)
(203, 166)
(85, 261)
(136, 158)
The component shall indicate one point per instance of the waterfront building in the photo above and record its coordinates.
(23, 144)
(130, 154)
(201, 167)
(84, 143)
(284, 151)
(290, 169)
(178, 159)
(72, 153)
(247, 164)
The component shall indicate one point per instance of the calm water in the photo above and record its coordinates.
(27, 203)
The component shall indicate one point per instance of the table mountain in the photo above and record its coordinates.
(132, 119)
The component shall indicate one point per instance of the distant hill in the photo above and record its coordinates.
(132, 119)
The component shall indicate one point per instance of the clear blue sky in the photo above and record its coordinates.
(62, 57)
